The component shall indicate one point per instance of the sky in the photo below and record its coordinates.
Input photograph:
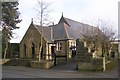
(86, 11)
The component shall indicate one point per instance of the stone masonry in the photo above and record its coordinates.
(85, 60)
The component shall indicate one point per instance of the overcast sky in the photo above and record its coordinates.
(87, 11)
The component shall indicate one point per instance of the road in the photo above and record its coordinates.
(61, 71)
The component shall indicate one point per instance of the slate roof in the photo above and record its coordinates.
(81, 28)
(67, 29)
(46, 32)
(62, 31)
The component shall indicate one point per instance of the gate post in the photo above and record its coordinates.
(104, 67)
(54, 59)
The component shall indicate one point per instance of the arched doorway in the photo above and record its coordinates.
(33, 50)
(42, 55)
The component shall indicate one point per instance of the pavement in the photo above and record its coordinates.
(61, 71)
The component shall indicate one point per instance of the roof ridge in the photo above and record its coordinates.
(65, 27)
(72, 20)
(79, 22)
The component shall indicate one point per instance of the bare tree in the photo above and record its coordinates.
(43, 20)
(107, 37)
(43, 12)
(100, 36)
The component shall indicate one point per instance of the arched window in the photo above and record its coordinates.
(25, 54)
(33, 50)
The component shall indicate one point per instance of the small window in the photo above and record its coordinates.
(73, 45)
(59, 46)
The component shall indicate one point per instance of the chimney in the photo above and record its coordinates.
(53, 23)
(51, 32)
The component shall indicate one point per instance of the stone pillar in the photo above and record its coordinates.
(104, 67)
(83, 57)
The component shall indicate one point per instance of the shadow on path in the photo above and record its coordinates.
(65, 67)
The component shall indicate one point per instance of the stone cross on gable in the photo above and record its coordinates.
(32, 20)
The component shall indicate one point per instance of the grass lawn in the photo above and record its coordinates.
(112, 64)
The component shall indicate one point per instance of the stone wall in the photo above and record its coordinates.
(62, 55)
(97, 64)
(32, 36)
(85, 60)
(66, 52)
(42, 64)
(93, 65)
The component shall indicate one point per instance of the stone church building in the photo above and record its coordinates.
(58, 40)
